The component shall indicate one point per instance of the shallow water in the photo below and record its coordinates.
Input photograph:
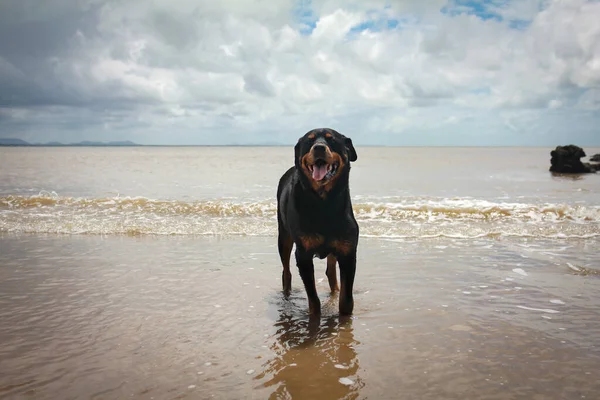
(183, 317)
(152, 273)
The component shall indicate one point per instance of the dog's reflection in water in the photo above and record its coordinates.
(315, 357)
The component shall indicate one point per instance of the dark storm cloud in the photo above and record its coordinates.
(32, 34)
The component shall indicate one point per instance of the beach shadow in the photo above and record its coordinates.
(315, 357)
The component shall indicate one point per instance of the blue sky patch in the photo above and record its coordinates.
(485, 10)
(375, 25)
(380, 20)
(305, 15)
(377, 20)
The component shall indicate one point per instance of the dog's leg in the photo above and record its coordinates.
(347, 272)
(307, 273)
(332, 273)
(285, 244)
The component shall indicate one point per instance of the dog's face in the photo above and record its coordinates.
(323, 155)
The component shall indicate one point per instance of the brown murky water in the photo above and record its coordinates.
(152, 273)
(182, 317)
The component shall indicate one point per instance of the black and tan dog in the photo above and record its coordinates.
(314, 212)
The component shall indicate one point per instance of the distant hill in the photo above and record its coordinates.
(117, 143)
(19, 142)
(12, 142)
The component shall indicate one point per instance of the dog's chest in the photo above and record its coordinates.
(321, 247)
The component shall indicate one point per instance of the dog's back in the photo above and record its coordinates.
(284, 181)
(283, 192)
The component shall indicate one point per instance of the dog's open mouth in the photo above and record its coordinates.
(321, 170)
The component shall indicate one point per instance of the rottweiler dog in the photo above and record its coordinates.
(314, 212)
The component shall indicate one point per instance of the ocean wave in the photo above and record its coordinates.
(444, 209)
(415, 218)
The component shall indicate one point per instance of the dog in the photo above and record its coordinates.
(314, 212)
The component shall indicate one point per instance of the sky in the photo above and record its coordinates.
(412, 72)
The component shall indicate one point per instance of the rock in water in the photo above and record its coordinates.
(567, 159)
(595, 158)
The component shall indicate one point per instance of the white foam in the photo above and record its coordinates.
(556, 301)
(192, 387)
(546, 310)
(519, 271)
(346, 381)
(250, 372)
(340, 366)
(574, 268)
(393, 217)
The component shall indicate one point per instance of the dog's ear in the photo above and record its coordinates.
(297, 154)
(352, 156)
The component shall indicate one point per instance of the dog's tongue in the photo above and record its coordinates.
(319, 172)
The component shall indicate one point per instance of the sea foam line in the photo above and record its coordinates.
(432, 210)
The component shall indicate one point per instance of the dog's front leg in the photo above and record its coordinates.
(304, 261)
(347, 272)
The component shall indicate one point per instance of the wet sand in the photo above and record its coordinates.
(202, 317)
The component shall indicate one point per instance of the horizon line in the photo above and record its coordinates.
(292, 144)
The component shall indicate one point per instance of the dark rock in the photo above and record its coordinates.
(567, 159)
(595, 158)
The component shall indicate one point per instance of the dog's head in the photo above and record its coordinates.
(323, 156)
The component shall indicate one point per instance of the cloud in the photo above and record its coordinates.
(411, 72)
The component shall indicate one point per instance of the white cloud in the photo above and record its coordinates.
(254, 71)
